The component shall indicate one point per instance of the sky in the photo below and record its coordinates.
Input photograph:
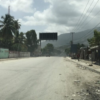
(62, 16)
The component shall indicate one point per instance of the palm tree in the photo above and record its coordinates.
(17, 25)
(7, 27)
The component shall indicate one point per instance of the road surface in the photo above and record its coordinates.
(43, 78)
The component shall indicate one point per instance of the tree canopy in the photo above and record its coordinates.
(95, 40)
(11, 38)
(48, 49)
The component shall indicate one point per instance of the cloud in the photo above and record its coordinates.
(63, 16)
(18, 5)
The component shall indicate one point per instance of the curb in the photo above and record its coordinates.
(12, 59)
(91, 69)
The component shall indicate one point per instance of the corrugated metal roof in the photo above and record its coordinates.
(94, 47)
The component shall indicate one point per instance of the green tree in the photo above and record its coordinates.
(9, 31)
(31, 41)
(95, 40)
(19, 42)
(7, 27)
(80, 45)
(48, 49)
(17, 25)
(67, 50)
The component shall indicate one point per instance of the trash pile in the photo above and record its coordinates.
(90, 92)
(81, 67)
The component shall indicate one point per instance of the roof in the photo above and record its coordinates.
(83, 47)
(94, 47)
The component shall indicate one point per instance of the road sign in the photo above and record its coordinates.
(48, 36)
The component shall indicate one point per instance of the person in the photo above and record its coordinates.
(99, 56)
(78, 56)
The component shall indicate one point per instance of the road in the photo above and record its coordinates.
(43, 78)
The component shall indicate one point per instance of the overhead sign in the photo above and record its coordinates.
(48, 36)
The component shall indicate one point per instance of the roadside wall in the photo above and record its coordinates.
(4, 53)
(24, 54)
(14, 54)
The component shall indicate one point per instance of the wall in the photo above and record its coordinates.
(24, 54)
(14, 54)
(4, 53)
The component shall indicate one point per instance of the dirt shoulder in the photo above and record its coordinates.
(85, 83)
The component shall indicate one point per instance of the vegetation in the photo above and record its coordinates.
(95, 40)
(11, 38)
(48, 49)
(80, 45)
(67, 50)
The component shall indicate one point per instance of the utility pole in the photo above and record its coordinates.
(72, 37)
(8, 10)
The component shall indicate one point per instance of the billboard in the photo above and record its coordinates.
(48, 36)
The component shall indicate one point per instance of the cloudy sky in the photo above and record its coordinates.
(62, 16)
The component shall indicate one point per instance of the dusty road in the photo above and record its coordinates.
(46, 78)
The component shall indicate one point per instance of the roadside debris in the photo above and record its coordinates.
(97, 82)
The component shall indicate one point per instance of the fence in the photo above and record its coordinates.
(14, 54)
(5, 53)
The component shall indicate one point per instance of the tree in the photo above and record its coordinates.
(31, 40)
(67, 50)
(9, 31)
(48, 49)
(17, 25)
(95, 40)
(80, 45)
(7, 27)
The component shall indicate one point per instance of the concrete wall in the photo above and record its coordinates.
(4, 53)
(24, 54)
(14, 54)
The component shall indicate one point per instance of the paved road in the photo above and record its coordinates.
(41, 78)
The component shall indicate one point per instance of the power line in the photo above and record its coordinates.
(86, 12)
(86, 36)
(90, 31)
(89, 13)
(82, 13)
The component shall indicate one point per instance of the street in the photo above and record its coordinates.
(46, 78)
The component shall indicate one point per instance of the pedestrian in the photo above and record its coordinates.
(78, 56)
(99, 56)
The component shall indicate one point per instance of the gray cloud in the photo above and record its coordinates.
(63, 16)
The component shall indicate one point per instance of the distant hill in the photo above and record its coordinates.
(79, 37)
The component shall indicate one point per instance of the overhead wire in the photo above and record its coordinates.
(89, 14)
(86, 36)
(91, 19)
(82, 13)
(86, 12)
